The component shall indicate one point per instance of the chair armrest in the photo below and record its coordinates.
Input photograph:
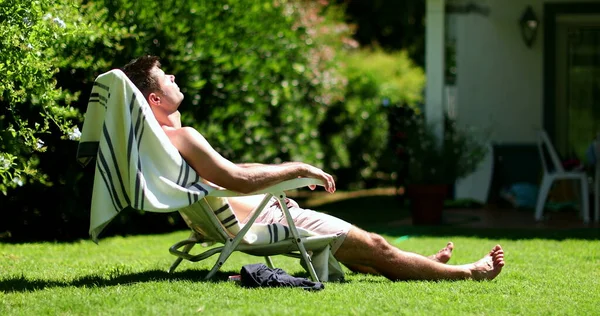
(280, 187)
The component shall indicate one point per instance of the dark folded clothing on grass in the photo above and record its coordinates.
(259, 275)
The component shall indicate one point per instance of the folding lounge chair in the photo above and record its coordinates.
(138, 168)
(212, 220)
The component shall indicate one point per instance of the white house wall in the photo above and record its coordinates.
(499, 79)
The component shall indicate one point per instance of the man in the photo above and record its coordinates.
(359, 250)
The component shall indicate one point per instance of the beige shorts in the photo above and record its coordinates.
(319, 223)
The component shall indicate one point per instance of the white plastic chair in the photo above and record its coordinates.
(597, 179)
(553, 170)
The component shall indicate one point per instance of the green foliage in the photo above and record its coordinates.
(392, 25)
(375, 74)
(50, 52)
(264, 81)
(357, 128)
(433, 162)
(36, 39)
(256, 79)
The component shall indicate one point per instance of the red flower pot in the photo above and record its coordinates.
(427, 203)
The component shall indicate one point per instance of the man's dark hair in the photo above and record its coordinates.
(138, 71)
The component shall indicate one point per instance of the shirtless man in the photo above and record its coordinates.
(359, 250)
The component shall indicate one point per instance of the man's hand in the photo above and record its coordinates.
(314, 172)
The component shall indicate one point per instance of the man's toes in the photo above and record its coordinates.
(499, 262)
(496, 249)
(450, 246)
(498, 258)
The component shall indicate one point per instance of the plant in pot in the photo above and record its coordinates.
(431, 166)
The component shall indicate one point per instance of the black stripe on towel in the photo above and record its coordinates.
(99, 96)
(142, 122)
(180, 172)
(270, 227)
(229, 221)
(186, 174)
(98, 101)
(129, 150)
(106, 182)
(114, 161)
(185, 180)
(200, 187)
(222, 209)
(275, 233)
(133, 134)
(139, 139)
(139, 132)
(197, 186)
(109, 181)
(287, 232)
(100, 85)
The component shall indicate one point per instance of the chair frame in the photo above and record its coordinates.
(232, 243)
(558, 173)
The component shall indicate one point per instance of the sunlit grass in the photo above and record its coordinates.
(126, 276)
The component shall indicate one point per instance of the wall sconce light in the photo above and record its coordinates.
(529, 25)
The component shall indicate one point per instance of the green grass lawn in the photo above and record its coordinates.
(126, 276)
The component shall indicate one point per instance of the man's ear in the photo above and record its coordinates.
(153, 99)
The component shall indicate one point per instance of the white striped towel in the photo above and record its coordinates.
(138, 167)
(258, 234)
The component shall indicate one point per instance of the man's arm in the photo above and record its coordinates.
(244, 178)
(249, 164)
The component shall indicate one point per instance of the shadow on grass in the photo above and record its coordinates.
(384, 214)
(23, 284)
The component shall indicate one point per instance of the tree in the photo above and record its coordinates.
(389, 24)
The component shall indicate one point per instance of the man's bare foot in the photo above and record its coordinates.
(444, 255)
(489, 266)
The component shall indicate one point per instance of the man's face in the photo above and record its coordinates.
(170, 95)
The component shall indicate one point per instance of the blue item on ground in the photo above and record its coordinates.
(524, 194)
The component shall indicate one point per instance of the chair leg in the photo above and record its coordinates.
(186, 249)
(297, 239)
(542, 196)
(231, 244)
(269, 262)
(225, 253)
(177, 261)
(585, 206)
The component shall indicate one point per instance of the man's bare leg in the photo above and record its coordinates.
(361, 248)
(442, 256)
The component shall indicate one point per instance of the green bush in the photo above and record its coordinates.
(356, 130)
(265, 81)
(441, 161)
(37, 38)
(254, 76)
(48, 52)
